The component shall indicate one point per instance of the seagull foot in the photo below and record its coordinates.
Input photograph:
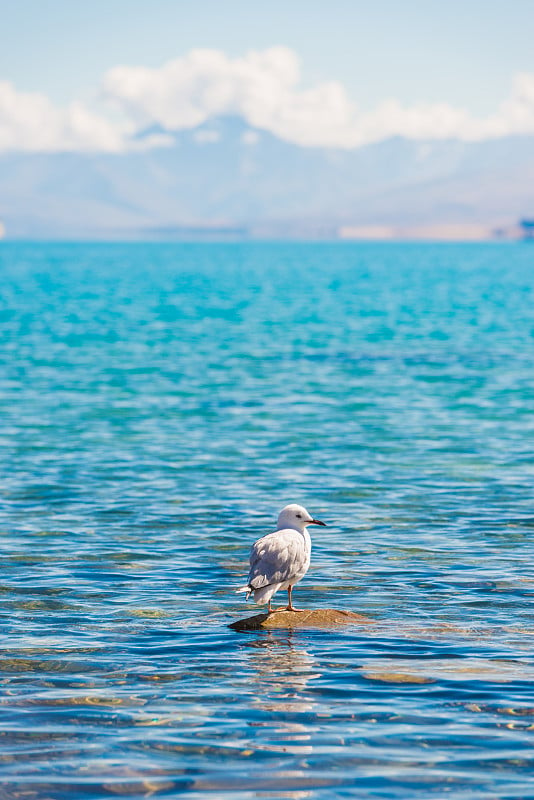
(292, 608)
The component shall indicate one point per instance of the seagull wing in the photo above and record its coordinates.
(276, 558)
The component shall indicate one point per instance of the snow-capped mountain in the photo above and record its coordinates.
(224, 176)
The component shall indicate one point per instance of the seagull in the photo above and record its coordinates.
(281, 559)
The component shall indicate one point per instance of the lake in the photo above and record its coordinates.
(159, 404)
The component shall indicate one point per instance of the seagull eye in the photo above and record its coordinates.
(299, 516)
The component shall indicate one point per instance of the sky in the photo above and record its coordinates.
(87, 76)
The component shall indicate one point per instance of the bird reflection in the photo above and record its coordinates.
(283, 671)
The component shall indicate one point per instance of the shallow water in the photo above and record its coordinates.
(158, 405)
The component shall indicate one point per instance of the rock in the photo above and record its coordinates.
(314, 618)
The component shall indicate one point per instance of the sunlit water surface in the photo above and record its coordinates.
(159, 405)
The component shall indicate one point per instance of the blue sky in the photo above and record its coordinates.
(415, 54)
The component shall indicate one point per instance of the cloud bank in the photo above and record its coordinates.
(30, 122)
(263, 87)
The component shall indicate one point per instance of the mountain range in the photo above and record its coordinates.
(225, 178)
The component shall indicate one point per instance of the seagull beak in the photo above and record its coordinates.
(317, 522)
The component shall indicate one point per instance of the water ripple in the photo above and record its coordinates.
(159, 403)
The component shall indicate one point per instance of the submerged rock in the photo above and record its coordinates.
(314, 618)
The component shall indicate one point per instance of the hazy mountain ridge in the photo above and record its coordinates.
(224, 174)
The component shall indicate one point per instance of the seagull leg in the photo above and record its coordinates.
(290, 606)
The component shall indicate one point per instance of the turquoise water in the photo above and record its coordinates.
(159, 404)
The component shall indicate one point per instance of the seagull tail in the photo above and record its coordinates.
(246, 589)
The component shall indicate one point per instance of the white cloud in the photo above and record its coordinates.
(516, 115)
(29, 121)
(443, 121)
(263, 87)
(250, 137)
(207, 137)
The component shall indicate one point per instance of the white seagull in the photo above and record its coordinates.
(281, 559)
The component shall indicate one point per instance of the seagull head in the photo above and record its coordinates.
(296, 517)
